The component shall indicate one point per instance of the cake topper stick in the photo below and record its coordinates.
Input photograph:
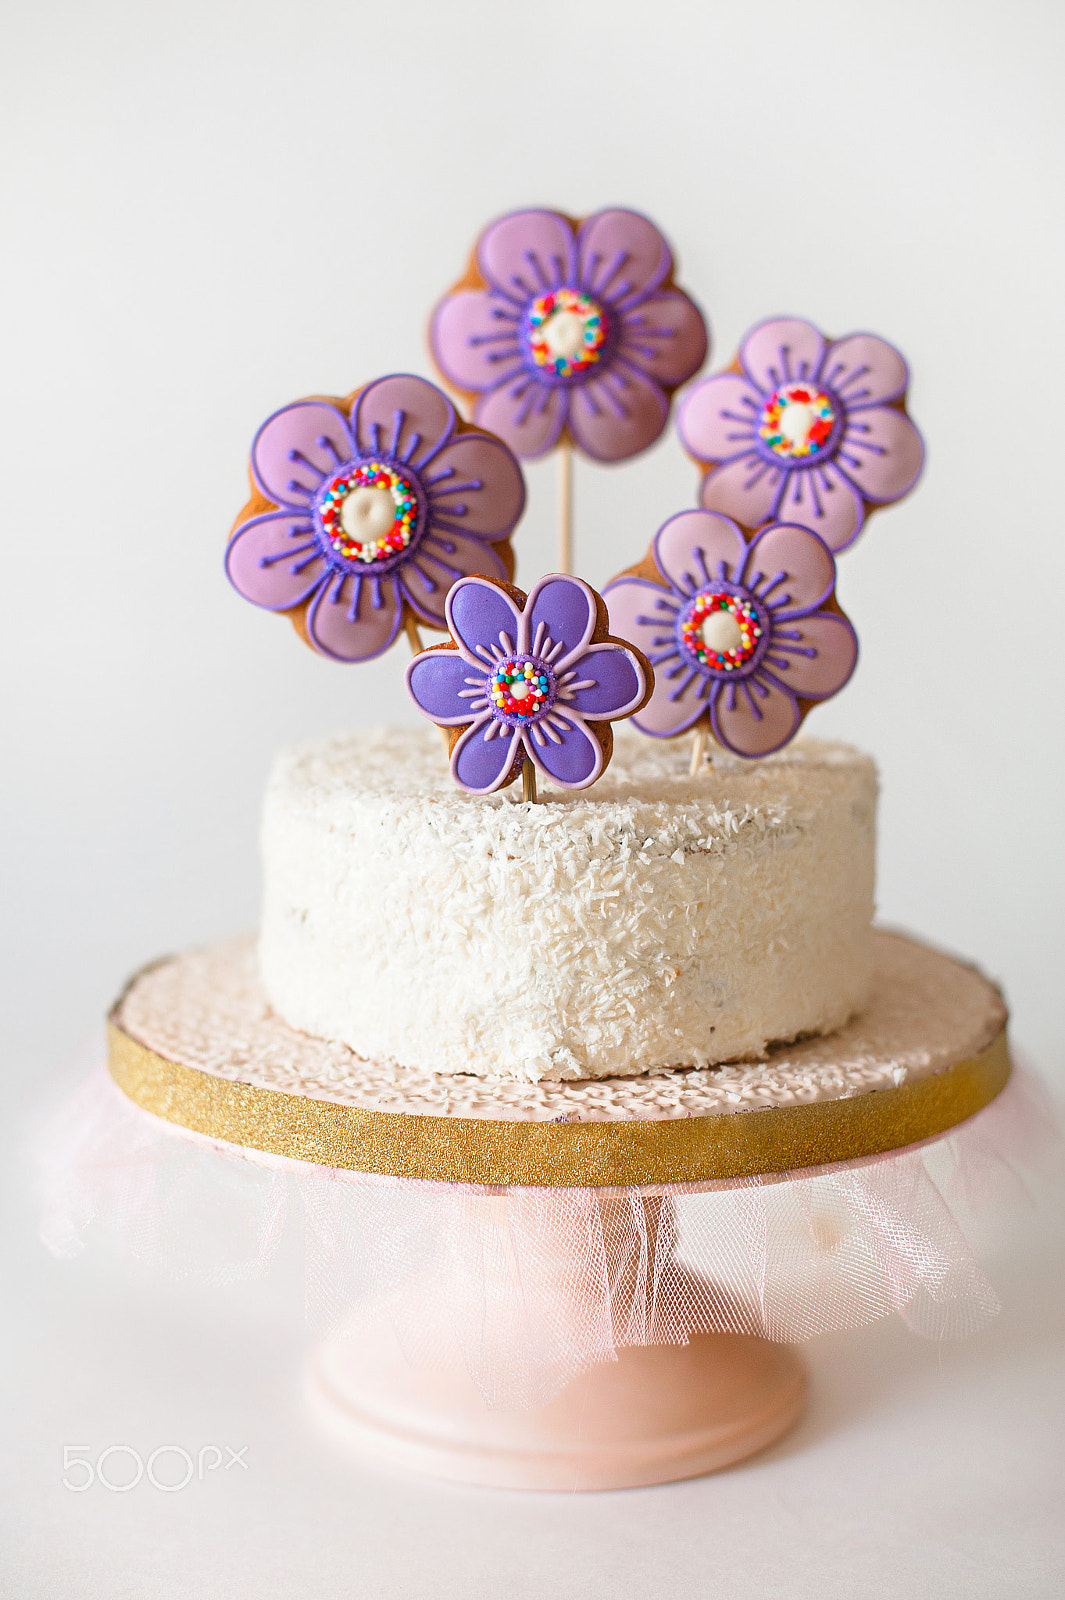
(528, 783)
(569, 334)
(700, 740)
(565, 506)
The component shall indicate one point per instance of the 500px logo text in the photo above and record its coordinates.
(170, 1467)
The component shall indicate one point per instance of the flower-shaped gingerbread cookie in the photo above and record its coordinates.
(532, 677)
(369, 507)
(748, 636)
(804, 429)
(570, 327)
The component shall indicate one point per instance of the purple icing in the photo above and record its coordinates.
(777, 587)
(565, 681)
(839, 403)
(463, 492)
(648, 339)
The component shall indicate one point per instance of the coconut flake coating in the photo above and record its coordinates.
(651, 922)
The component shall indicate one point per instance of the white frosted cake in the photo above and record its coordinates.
(655, 921)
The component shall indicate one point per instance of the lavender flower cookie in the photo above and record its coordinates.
(744, 636)
(528, 678)
(802, 429)
(563, 328)
(366, 510)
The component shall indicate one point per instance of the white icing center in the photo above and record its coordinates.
(367, 514)
(563, 334)
(721, 632)
(520, 689)
(796, 420)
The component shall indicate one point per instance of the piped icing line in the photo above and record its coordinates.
(743, 637)
(528, 679)
(567, 330)
(366, 510)
(801, 428)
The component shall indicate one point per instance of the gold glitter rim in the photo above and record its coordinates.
(554, 1155)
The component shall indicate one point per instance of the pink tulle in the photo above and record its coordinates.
(530, 1286)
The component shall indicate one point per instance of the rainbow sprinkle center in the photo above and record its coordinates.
(567, 332)
(721, 630)
(797, 421)
(532, 682)
(369, 475)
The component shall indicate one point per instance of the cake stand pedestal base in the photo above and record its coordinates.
(656, 1414)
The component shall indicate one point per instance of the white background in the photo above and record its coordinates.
(211, 209)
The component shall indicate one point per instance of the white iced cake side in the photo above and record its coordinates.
(653, 921)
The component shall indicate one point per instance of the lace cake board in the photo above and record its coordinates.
(194, 1041)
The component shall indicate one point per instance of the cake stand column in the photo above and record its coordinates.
(658, 1413)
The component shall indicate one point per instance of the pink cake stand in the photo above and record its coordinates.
(193, 1042)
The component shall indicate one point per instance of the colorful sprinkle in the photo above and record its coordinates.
(567, 332)
(721, 630)
(520, 689)
(797, 421)
(354, 503)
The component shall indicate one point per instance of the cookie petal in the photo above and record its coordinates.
(617, 415)
(606, 681)
(483, 620)
(527, 252)
(559, 611)
(865, 370)
(754, 718)
(474, 339)
(814, 655)
(565, 749)
(823, 499)
(439, 561)
(528, 416)
(665, 336)
(404, 417)
(719, 418)
(790, 569)
(622, 257)
(484, 755)
(355, 618)
(475, 486)
(275, 561)
(746, 489)
(782, 350)
(443, 686)
(695, 547)
(297, 448)
(881, 453)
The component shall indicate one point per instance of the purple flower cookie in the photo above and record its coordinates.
(532, 678)
(748, 636)
(804, 430)
(369, 508)
(570, 327)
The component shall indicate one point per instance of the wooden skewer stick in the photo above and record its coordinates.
(565, 506)
(699, 744)
(528, 782)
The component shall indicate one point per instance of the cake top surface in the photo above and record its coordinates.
(403, 766)
(207, 1010)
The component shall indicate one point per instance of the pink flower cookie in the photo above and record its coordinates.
(804, 429)
(744, 636)
(569, 329)
(367, 510)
